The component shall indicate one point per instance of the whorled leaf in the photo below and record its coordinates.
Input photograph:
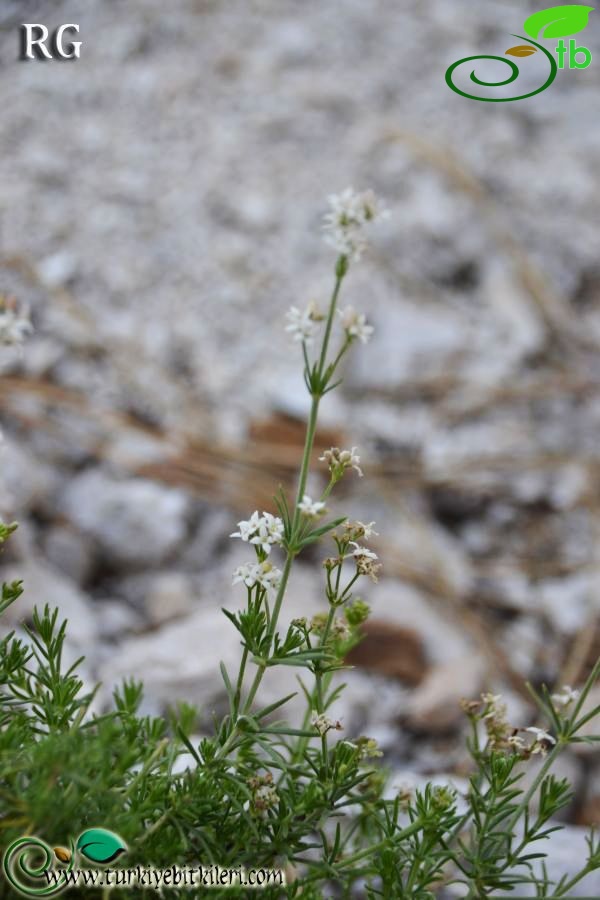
(558, 21)
(100, 845)
(521, 50)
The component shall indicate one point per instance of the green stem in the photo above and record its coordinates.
(319, 689)
(340, 272)
(305, 466)
(147, 766)
(260, 672)
(316, 701)
(240, 681)
(316, 399)
(336, 361)
(375, 848)
(563, 892)
(524, 804)
(303, 477)
(317, 394)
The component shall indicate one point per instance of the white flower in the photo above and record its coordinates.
(517, 743)
(264, 795)
(367, 530)
(355, 324)
(495, 703)
(345, 222)
(311, 508)
(357, 531)
(262, 531)
(265, 798)
(541, 737)
(323, 724)
(366, 561)
(374, 209)
(248, 528)
(362, 552)
(565, 697)
(263, 574)
(303, 324)
(14, 323)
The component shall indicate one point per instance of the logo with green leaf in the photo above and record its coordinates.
(555, 23)
(28, 860)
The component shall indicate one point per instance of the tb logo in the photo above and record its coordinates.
(35, 39)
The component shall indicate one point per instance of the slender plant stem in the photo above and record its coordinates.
(524, 804)
(316, 701)
(240, 681)
(309, 441)
(375, 848)
(276, 610)
(563, 892)
(340, 272)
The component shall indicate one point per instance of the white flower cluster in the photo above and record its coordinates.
(339, 460)
(542, 742)
(355, 324)
(14, 322)
(262, 531)
(565, 697)
(303, 324)
(502, 736)
(263, 574)
(366, 561)
(344, 225)
(264, 795)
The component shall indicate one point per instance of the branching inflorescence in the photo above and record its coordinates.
(303, 797)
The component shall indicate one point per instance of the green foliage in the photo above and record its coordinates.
(259, 792)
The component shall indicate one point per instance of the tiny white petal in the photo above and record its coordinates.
(541, 735)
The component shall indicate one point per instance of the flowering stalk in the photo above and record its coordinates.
(344, 225)
(309, 441)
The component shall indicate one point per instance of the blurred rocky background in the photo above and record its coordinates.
(160, 204)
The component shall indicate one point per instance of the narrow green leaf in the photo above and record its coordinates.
(233, 619)
(266, 710)
(185, 739)
(290, 732)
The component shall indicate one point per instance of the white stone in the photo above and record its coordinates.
(136, 522)
(435, 704)
(394, 601)
(569, 601)
(170, 596)
(58, 269)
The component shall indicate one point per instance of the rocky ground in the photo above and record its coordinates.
(159, 211)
